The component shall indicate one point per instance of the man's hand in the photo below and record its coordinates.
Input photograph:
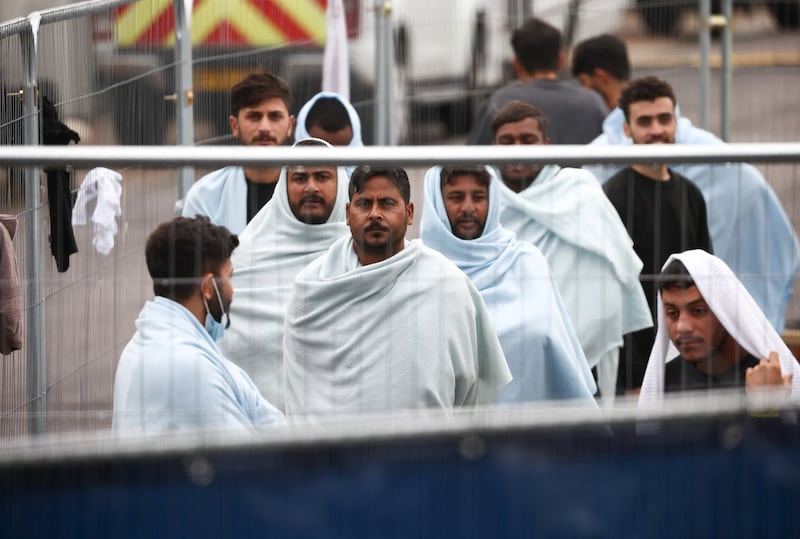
(767, 374)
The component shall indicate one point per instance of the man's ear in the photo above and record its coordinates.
(626, 128)
(290, 132)
(410, 213)
(233, 122)
(347, 213)
(207, 286)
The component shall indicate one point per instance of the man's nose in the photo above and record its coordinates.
(684, 324)
(374, 212)
(468, 206)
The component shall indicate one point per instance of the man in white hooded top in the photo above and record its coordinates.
(461, 220)
(330, 117)
(299, 224)
(171, 376)
(712, 334)
(380, 324)
(564, 212)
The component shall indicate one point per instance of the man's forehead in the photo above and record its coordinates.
(303, 169)
(655, 106)
(465, 182)
(527, 125)
(379, 186)
(271, 104)
(682, 296)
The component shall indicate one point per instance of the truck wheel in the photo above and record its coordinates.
(661, 18)
(787, 14)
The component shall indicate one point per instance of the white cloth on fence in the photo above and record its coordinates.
(272, 250)
(408, 332)
(513, 277)
(172, 377)
(749, 228)
(103, 186)
(565, 213)
(221, 196)
(735, 309)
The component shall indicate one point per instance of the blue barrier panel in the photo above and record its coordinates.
(726, 476)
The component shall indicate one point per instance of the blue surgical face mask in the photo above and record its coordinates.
(216, 329)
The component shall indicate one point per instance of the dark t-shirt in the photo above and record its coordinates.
(258, 194)
(662, 218)
(680, 375)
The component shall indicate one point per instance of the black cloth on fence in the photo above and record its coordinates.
(59, 195)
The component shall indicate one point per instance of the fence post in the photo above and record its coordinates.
(705, 65)
(35, 361)
(184, 94)
(727, 69)
(384, 62)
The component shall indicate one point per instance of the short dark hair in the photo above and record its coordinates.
(478, 172)
(329, 114)
(255, 88)
(396, 175)
(537, 45)
(675, 275)
(606, 52)
(647, 88)
(182, 250)
(516, 111)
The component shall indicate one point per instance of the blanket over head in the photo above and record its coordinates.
(538, 340)
(172, 377)
(735, 309)
(749, 228)
(408, 332)
(565, 213)
(301, 130)
(272, 250)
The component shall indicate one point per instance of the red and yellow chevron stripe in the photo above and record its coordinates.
(223, 22)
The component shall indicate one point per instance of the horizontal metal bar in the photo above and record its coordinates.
(80, 9)
(61, 13)
(14, 26)
(409, 425)
(217, 156)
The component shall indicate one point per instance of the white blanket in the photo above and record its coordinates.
(565, 213)
(172, 377)
(273, 248)
(408, 332)
(221, 196)
(539, 342)
(736, 310)
(749, 228)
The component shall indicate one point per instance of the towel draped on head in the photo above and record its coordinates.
(514, 279)
(273, 248)
(408, 332)
(565, 213)
(735, 309)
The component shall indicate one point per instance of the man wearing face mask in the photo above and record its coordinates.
(171, 375)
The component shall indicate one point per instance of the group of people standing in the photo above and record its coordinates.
(527, 284)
